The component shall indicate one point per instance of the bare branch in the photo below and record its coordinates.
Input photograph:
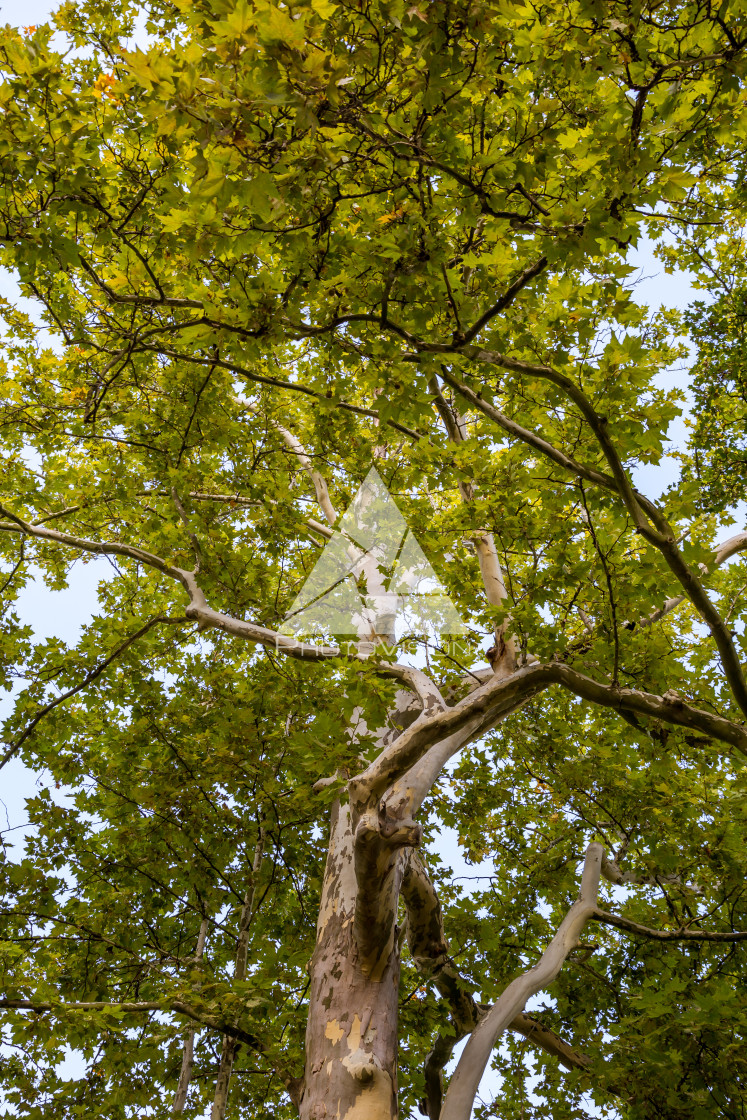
(407, 794)
(476, 1055)
(429, 949)
(320, 485)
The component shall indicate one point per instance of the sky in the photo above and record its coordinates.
(63, 613)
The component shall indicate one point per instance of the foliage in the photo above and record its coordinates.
(351, 220)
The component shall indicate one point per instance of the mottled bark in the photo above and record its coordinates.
(351, 1037)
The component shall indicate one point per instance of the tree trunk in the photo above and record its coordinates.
(351, 1036)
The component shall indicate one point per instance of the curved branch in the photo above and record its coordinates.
(614, 874)
(722, 553)
(199, 611)
(318, 480)
(276, 382)
(138, 301)
(507, 298)
(426, 940)
(102, 548)
(476, 1055)
(598, 425)
(497, 697)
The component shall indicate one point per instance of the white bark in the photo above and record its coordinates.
(476, 1055)
(320, 485)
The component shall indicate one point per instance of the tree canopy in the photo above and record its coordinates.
(271, 246)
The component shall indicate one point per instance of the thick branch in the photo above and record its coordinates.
(476, 1055)
(429, 950)
(408, 793)
(497, 697)
(428, 946)
(378, 841)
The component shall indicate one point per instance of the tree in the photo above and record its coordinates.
(279, 245)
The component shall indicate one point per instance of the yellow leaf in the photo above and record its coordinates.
(323, 8)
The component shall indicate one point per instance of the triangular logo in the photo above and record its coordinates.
(372, 579)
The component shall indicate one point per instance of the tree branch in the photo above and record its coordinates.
(476, 1055)
(504, 659)
(276, 382)
(722, 553)
(230, 1043)
(497, 697)
(101, 548)
(649, 521)
(507, 298)
(320, 485)
(681, 934)
(430, 952)
(613, 874)
(185, 1073)
(179, 1007)
(140, 301)
(90, 676)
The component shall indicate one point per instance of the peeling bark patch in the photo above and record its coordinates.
(333, 1031)
(374, 1102)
